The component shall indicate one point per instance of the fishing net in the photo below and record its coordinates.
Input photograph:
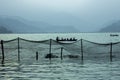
(10, 49)
(95, 51)
(116, 51)
(24, 50)
(0, 52)
(71, 49)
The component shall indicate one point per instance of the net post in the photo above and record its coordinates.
(2, 48)
(61, 53)
(50, 49)
(37, 55)
(82, 56)
(111, 48)
(18, 49)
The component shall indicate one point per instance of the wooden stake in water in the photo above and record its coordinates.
(61, 53)
(2, 48)
(18, 49)
(82, 50)
(111, 52)
(36, 55)
(50, 49)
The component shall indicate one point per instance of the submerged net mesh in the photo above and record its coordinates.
(71, 49)
(10, 49)
(116, 51)
(0, 51)
(95, 51)
(28, 49)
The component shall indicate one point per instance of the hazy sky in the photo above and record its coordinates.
(87, 15)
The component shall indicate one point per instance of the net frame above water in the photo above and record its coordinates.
(23, 49)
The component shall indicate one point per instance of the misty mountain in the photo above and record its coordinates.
(20, 25)
(114, 27)
(4, 30)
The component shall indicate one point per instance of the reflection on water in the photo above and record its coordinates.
(60, 70)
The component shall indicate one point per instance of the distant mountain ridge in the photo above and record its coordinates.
(114, 27)
(4, 30)
(17, 25)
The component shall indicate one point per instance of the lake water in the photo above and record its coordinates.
(67, 69)
(95, 37)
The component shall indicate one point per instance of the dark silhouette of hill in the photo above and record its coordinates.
(20, 25)
(4, 30)
(114, 27)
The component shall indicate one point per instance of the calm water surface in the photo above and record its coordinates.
(95, 37)
(57, 70)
